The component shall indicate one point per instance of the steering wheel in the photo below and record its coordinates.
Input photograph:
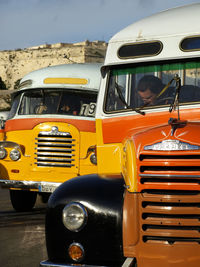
(165, 100)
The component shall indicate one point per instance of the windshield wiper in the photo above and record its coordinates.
(175, 102)
(122, 99)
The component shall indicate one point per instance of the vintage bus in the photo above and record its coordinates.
(50, 131)
(142, 208)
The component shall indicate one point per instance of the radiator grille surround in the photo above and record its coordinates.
(55, 149)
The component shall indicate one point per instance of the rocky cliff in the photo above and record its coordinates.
(14, 64)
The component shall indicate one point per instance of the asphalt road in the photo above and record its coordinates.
(22, 235)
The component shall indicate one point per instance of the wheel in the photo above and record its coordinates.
(23, 200)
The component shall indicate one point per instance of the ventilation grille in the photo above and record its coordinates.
(171, 168)
(55, 150)
(170, 217)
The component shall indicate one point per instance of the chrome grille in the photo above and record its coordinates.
(54, 149)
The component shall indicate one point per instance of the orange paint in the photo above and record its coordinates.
(28, 124)
(112, 127)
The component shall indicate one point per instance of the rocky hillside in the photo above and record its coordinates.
(14, 64)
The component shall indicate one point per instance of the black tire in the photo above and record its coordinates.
(23, 200)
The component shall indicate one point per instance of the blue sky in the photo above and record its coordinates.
(26, 23)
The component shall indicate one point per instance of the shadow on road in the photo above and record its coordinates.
(22, 234)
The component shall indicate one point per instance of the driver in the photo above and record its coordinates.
(41, 108)
(148, 89)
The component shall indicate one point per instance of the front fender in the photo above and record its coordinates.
(101, 237)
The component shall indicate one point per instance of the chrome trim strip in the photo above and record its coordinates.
(54, 145)
(55, 149)
(128, 262)
(51, 264)
(28, 185)
(169, 175)
(54, 133)
(54, 154)
(54, 139)
(53, 164)
(56, 158)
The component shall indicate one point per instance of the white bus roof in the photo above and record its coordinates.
(83, 76)
(169, 27)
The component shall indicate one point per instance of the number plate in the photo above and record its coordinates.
(48, 188)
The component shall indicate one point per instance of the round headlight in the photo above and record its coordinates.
(3, 153)
(74, 216)
(93, 159)
(15, 154)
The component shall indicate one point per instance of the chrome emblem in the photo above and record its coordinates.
(54, 132)
(171, 145)
(54, 129)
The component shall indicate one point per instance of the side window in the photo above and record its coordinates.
(117, 94)
(14, 107)
(190, 91)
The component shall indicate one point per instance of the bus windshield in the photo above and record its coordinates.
(152, 86)
(55, 101)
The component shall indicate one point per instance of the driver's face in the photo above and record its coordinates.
(148, 97)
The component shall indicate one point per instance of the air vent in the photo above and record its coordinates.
(170, 217)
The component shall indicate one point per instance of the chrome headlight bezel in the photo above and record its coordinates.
(3, 153)
(15, 154)
(93, 159)
(74, 216)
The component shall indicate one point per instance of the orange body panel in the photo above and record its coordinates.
(2, 132)
(168, 163)
(28, 124)
(112, 127)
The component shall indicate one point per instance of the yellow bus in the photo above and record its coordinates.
(49, 136)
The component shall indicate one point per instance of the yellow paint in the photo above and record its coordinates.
(99, 132)
(108, 155)
(109, 159)
(65, 81)
(87, 140)
(129, 168)
(29, 171)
